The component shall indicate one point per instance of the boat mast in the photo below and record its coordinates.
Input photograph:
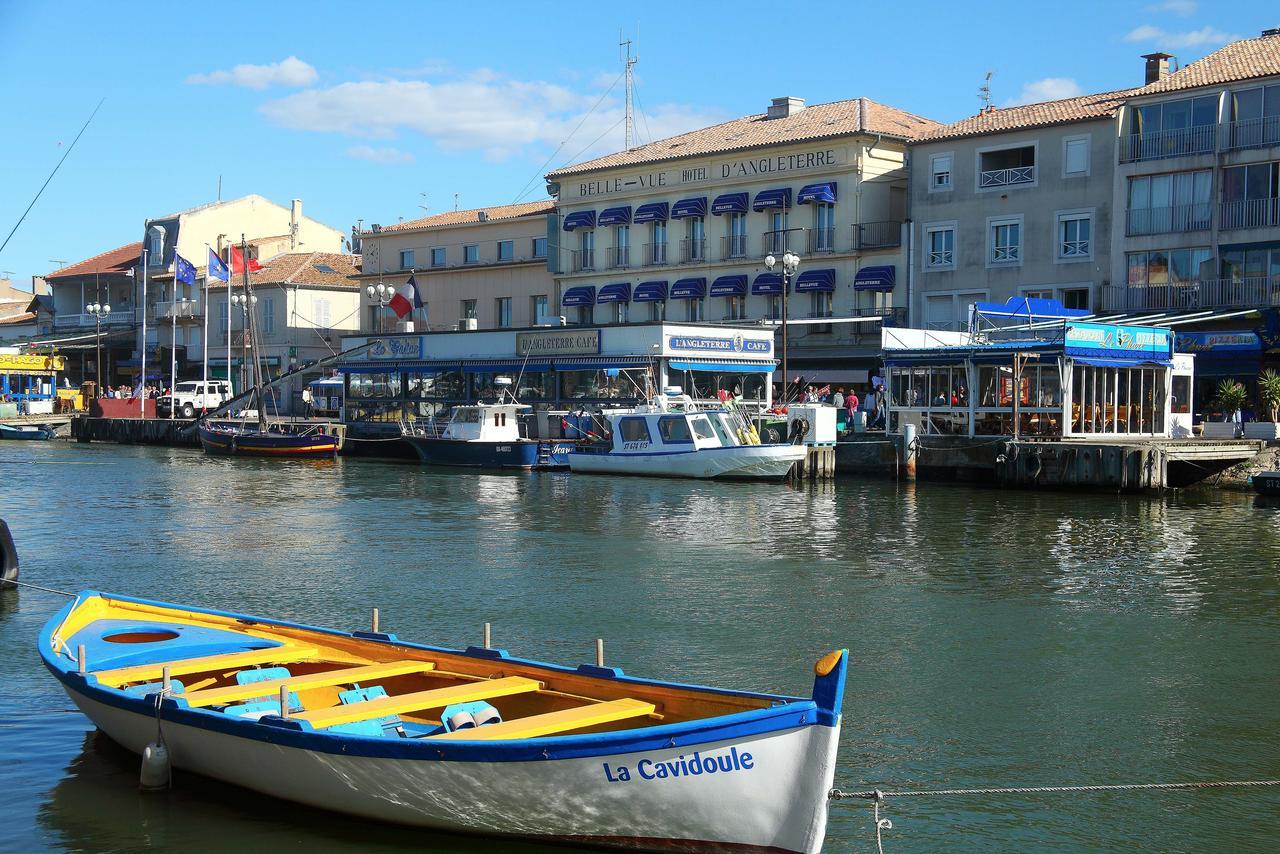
(253, 336)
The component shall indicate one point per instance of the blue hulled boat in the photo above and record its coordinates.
(480, 435)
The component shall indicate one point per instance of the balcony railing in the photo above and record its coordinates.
(655, 253)
(180, 310)
(1007, 177)
(582, 259)
(777, 241)
(619, 256)
(1168, 143)
(886, 234)
(821, 240)
(1251, 133)
(119, 316)
(1250, 213)
(1177, 218)
(733, 246)
(1254, 292)
(693, 250)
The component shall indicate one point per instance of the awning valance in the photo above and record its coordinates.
(824, 192)
(729, 203)
(1100, 362)
(619, 292)
(615, 216)
(766, 199)
(689, 289)
(767, 284)
(723, 367)
(816, 280)
(878, 278)
(500, 367)
(650, 292)
(580, 219)
(652, 212)
(580, 295)
(729, 286)
(689, 207)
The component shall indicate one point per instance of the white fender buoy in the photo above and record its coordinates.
(155, 774)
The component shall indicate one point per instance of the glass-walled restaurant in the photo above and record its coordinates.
(1072, 379)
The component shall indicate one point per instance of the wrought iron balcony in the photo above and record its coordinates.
(820, 240)
(1176, 218)
(655, 253)
(1253, 292)
(1181, 142)
(1250, 213)
(733, 246)
(693, 250)
(582, 260)
(773, 242)
(884, 234)
(619, 257)
(1007, 177)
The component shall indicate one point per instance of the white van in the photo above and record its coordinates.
(192, 397)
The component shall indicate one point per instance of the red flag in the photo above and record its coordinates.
(237, 262)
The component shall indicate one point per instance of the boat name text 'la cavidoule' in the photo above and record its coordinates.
(649, 769)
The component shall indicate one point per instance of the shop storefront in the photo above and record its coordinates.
(1235, 355)
(29, 382)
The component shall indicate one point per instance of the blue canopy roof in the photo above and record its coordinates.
(724, 367)
(580, 295)
(729, 203)
(652, 212)
(580, 219)
(767, 284)
(689, 207)
(824, 192)
(816, 280)
(615, 216)
(779, 198)
(729, 286)
(689, 289)
(877, 278)
(620, 292)
(1031, 308)
(650, 292)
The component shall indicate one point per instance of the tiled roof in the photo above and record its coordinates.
(1241, 60)
(114, 261)
(472, 216)
(300, 268)
(1004, 119)
(18, 318)
(820, 121)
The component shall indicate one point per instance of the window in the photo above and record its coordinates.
(824, 227)
(1077, 298)
(155, 246)
(695, 248)
(468, 308)
(471, 253)
(693, 310)
(539, 247)
(778, 231)
(940, 172)
(320, 313)
(735, 308)
(1033, 293)
(437, 257)
(1007, 167)
(1075, 156)
(1171, 129)
(773, 307)
(1160, 204)
(268, 306)
(634, 430)
(622, 246)
(506, 250)
(674, 430)
(940, 247)
(658, 243)
(820, 304)
(502, 311)
(620, 312)
(222, 318)
(702, 427)
(1005, 241)
(1251, 196)
(1255, 117)
(1075, 236)
(585, 315)
(657, 310)
(736, 245)
(587, 255)
(406, 259)
(538, 308)
(1169, 266)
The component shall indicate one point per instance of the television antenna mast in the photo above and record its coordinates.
(984, 92)
(423, 205)
(629, 59)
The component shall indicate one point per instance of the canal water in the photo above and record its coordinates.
(996, 638)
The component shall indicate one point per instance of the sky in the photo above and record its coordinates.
(378, 111)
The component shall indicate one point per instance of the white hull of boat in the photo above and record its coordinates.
(779, 803)
(748, 462)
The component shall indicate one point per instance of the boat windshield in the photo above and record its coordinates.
(466, 415)
(702, 428)
(674, 430)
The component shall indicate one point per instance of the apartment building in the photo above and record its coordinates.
(107, 280)
(483, 268)
(679, 229)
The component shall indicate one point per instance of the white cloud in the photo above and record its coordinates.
(1046, 89)
(482, 110)
(379, 154)
(1203, 37)
(286, 72)
(1185, 8)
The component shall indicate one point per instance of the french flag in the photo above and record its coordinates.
(406, 299)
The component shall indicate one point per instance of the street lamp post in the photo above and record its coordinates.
(790, 264)
(245, 303)
(99, 312)
(383, 295)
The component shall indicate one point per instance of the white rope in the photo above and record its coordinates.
(37, 587)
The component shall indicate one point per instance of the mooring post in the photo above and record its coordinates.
(909, 451)
(375, 621)
(80, 662)
(486, 636)
(284, 701)
(599, 652)
(166, 684)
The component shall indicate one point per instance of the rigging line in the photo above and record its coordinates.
(37, 587)
(644, 117)
(40, 192)
(525, 189)
(589, 145)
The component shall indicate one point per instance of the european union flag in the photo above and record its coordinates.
(183, 270)
(217, 269)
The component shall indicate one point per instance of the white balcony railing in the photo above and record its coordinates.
(179, 310)
(1250, 213)
(1252, 292)
(1179, 142)
(1007, 177)
(122, 316)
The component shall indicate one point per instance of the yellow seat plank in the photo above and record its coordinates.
(551, 723)
(437, 698)
(182, 666)
(271, 688)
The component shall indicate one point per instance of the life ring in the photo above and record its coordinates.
(8, 557)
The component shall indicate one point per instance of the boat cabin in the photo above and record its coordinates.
(485, 422)
(673, 423)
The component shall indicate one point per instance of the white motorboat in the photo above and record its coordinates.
(670, 437)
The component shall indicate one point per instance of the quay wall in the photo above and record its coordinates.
(135, 431)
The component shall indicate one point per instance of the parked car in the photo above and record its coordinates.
(189, 398)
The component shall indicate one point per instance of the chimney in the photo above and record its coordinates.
(782, 108)
(295, 219)
(1157, 66)
(1274, 31)
(482, 216)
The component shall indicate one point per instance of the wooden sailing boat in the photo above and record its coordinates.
(263, 440)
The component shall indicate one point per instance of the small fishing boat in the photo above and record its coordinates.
(473, 740)
(478, 435)
(236, 440)
(1267, 483)
(28, 432)
(670, 437)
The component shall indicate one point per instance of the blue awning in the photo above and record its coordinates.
(580, 295)
(689, 207)
(620, 292)
(767, 284)
(724, 367)
(652, 212)
(765, 199)
(502, 367)
(729, 286)
(615, 216)
(650, 292)
(816, 280)
(580, 219)
(729, 203)
(825, 192)
(879, 278)
(689, 289)
(1099, 362)
(1031, 308)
